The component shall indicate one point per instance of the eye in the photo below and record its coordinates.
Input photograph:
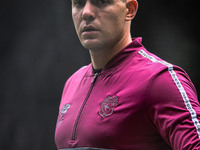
(102, 1)
(78, 3)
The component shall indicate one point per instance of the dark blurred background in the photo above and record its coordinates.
(39, 50)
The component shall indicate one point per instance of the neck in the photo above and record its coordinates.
(101, 57)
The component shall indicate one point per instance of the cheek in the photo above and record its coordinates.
(116, 17)
(76, 19)
(113, 24)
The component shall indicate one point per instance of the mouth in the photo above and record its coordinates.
(89, 29)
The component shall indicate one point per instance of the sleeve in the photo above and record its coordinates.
(174, 109)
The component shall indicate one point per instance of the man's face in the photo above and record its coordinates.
(99, 23)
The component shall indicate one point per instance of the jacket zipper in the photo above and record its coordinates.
(82, 107)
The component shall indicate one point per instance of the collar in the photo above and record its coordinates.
(120, 58)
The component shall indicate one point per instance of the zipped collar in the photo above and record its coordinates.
(119, 59)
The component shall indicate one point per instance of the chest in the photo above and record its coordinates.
(105, 112)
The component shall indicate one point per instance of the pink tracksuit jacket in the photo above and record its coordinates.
(137, 102)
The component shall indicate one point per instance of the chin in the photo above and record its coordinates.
(92, 44)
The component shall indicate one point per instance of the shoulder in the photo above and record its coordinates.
(156, 66)
(168, 84)
(171, 100)
(78, 75)
(165, 79)
(146, 65)
(81, 71)
(153, 61)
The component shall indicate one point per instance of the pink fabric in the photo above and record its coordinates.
(135, 103)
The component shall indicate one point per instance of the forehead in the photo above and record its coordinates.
(104, 5)
(93, 1)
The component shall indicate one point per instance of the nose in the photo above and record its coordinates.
(88, 13)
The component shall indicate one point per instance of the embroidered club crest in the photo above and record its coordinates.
(108, 105)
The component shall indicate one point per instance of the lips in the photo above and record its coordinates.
(89, 29)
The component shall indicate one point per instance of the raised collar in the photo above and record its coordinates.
(121, 57)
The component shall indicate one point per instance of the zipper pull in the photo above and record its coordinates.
(95, 77)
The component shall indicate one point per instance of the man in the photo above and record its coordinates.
(127, 98)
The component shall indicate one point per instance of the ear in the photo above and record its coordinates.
(132, 6)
